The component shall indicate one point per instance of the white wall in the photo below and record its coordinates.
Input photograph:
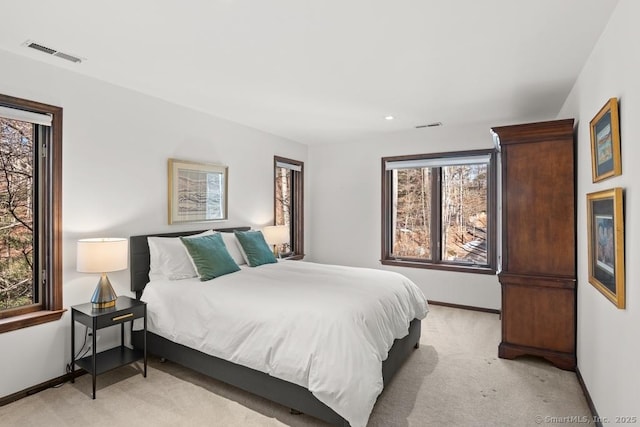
(345, 181)
(609, 338)
(116, 143)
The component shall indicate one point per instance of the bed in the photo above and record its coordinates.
(305, 385)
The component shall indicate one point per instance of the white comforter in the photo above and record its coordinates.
(327, 328)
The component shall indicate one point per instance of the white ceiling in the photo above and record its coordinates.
(326, 71)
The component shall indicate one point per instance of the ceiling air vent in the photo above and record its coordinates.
(429, 125)
(49, 51)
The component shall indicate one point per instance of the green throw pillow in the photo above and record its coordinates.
(210, 256)
(255, 248)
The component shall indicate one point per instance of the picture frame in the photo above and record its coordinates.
(198, 192)
(606, 244)
(605, 142)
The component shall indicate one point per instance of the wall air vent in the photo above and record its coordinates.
(49, 51)
(429, 125)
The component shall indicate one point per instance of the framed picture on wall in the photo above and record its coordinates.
(197, 192)
(605, 142)
(606, 244)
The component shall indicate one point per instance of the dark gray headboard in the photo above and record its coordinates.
(139, 255)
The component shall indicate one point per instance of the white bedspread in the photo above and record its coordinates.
(327, 328)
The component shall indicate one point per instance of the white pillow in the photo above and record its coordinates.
(169, 259)
(233, 247)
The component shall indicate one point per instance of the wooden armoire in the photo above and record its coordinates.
(538, 276)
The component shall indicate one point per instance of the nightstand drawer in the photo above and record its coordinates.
(120, 316)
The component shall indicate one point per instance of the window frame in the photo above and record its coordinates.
(297, 206)
(49, 308)
(436, 229)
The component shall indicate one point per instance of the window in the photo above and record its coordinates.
(289, 203)
(438, 211)
(30, 213)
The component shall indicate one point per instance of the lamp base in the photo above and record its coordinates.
(103, 296)
(101, 305)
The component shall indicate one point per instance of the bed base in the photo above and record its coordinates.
(259, 383)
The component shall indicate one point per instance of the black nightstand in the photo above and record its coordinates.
(126, 310)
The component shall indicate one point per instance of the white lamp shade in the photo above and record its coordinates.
(276, 234)
(102, 255)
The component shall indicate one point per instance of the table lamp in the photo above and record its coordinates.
(102, 255)
(276, 235)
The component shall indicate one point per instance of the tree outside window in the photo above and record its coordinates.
(16, 214)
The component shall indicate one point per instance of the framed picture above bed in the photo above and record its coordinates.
(606, 244)
(197, 192)
(605, 142)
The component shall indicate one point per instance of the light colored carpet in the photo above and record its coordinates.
(454, 379)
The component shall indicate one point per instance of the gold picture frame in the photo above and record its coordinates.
(605, 142)
(197, 192)
(606, 244)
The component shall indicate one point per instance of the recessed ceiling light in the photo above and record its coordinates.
(389, 117)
